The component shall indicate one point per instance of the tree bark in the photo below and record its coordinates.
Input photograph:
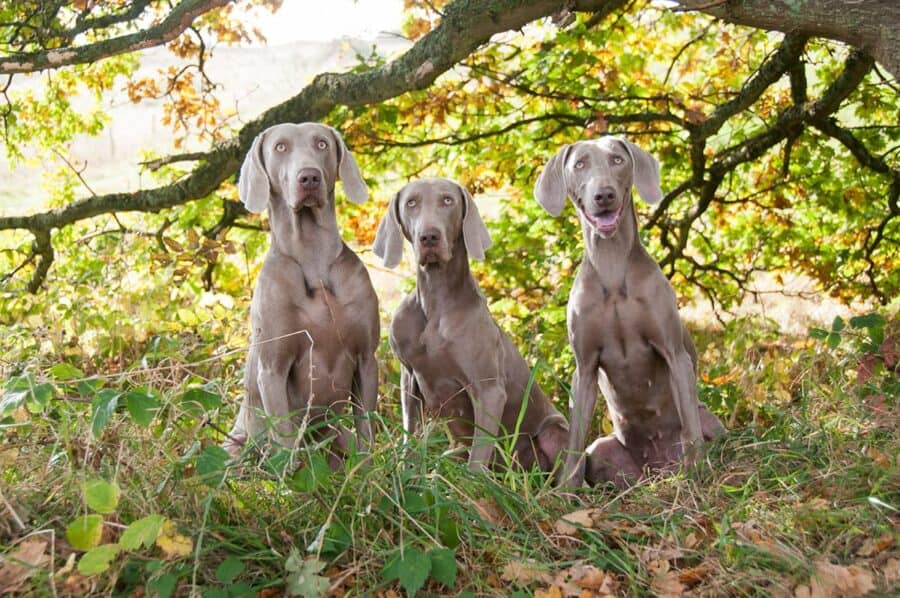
(873, 26)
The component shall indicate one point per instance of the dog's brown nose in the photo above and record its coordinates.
(430, 237)
(309, 178)
(605, 196)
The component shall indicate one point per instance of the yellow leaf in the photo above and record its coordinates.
(172, 543)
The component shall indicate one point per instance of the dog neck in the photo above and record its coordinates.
(609, 258)
(310, 237)
(442, 285)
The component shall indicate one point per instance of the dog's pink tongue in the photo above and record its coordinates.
(607, 218)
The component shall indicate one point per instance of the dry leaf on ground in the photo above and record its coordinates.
(575, 580)
(551, 592)
(667, 585)
(523, 573)
(873, 546)
(892, 571)
(693, 575)
(566, 525)
(20, 564)
(836, 581)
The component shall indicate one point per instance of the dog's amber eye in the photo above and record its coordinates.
(280, 146)
(618, 160)
(447, 200)
(411, 203)
(322, 144)
(579, 165)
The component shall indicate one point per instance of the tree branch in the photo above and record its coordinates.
(872, 26)
(165, 31)
(466, 25)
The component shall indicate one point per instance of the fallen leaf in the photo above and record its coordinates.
(664, 583)
(892, 570)
(878, 457)
(873, 546)
(523, 573)
(693, 575)
(588, 577)
(566, 525)
(551, 592)
(837, 581)
(660, 553)
(172, 543)
(17, 566)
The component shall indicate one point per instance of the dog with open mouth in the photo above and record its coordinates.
(623, 322)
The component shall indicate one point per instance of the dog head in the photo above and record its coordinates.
(598, 175)
(298, 164)
(431, 214)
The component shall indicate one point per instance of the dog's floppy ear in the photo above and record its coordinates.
(646, 173)
(550, 188)
(389, 238)
(348, 172)
(253, 183)
(475, 233)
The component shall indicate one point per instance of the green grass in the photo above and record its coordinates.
(795, 482)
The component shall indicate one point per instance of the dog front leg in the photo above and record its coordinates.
(488, 401)
(581, 412)
(683, 382)
(366, 378)
(410, 403)
(272, 380)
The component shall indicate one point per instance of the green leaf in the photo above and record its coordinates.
(241, 590)
(211, 463)
(818, 334)
(39, 397)
(84, 533)
(834, 339)
(411, 567)
(162, 586)
(229, 569)
(102, 408)
(314, 474)
(142, 407)
(197, 401)
(443, 565)
(65, 371)
(101, 496)
(142, 532)
(97, 559)
(872, 320)
(838, 324)
(302, 578)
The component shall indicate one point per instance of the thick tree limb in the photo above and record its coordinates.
(873, 26)
(465, 26)
(163, 32)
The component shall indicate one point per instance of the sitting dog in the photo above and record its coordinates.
(623, 321)
(314, 313)
(456, 361)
